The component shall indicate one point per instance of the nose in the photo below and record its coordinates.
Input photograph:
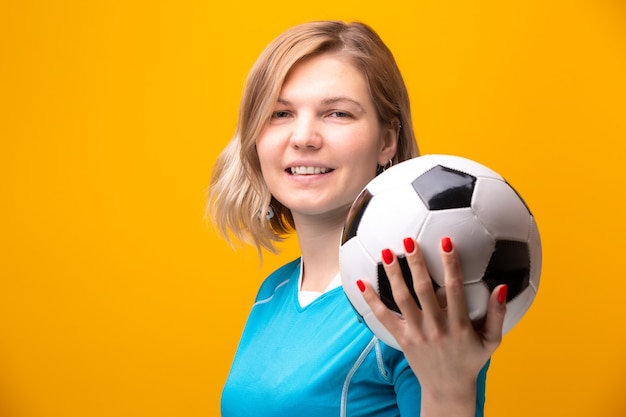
(306, 133)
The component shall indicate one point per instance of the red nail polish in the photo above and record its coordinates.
(387, 256)
(502, 294)
(409, 245)
(446, 244)
(361, 285)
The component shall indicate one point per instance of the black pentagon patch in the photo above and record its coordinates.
(510, 265)
(442, 188)
(384, 286)
(355, 214)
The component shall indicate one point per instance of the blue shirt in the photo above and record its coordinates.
(320, 360)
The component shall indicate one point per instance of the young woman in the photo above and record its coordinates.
(324, 109)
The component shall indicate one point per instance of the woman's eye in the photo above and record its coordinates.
(280, 114)
(340, 114)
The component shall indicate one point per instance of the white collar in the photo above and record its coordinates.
(307, 297)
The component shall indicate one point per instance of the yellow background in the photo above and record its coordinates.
(116, 299)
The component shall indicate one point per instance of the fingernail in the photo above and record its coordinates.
(387, 256)
(361, 285)
(409, 245)
(446, 244)
(502, 294)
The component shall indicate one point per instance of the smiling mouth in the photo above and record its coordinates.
(308, 170)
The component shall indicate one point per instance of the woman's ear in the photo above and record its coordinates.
(391, 135)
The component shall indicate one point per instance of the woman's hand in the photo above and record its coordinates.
(439, 341)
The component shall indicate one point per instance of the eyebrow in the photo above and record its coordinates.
(329, 100)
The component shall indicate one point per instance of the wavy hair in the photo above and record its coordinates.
(238, 195)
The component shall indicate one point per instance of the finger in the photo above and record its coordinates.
(401, 294)
(453, 277)
(496, 311)
(392, 322)
(422, 283)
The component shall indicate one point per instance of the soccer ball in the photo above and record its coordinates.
(430, 197)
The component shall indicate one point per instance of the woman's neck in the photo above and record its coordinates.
(319, 245)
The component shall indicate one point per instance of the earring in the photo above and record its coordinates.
(269, 213)
(382, 169)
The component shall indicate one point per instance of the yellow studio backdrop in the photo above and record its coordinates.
(116, 299)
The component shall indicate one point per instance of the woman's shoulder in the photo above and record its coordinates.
(288, 273)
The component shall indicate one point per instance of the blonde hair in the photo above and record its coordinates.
(238, 196)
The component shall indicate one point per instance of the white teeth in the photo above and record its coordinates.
(308, 170)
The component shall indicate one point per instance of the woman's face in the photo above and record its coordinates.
(324, 140)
